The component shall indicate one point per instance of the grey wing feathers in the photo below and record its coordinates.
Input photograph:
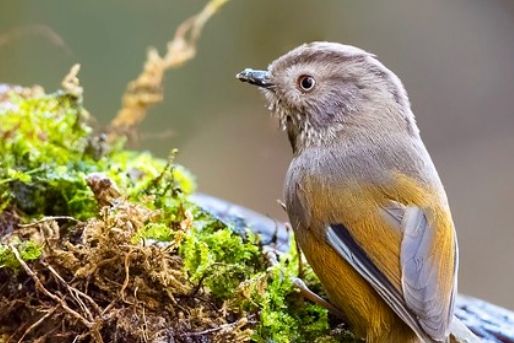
(418, 303)
(420, 275)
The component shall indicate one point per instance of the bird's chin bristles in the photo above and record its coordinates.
(307, 134)
(275, 109)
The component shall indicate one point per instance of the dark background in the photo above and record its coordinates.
(456, 59)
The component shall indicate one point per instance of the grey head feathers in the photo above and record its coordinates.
(354, 95)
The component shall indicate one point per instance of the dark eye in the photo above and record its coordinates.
(306, 83)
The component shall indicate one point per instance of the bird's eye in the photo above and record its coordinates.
(306, 83)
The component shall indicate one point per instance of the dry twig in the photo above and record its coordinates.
(238, 323)
(146, 90)
(71, 83)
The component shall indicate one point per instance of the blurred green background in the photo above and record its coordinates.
(456, 59)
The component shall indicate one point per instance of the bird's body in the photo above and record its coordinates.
(364, 199)
(354, 197)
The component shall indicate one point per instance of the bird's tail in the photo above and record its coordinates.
(461, 334)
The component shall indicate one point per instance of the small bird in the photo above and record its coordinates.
(362, 194)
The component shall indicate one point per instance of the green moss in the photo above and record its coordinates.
(42, 162)
(46, 152)
(28, 250)
(218, 258)
(285, 316)
(157, 231)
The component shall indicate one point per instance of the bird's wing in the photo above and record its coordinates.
(423, 295)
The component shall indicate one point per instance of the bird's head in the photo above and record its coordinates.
(324, 92)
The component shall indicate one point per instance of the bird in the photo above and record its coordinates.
(362, 194)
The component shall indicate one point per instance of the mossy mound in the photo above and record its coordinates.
(101, 244)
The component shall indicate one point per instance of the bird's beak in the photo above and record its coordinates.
(260, 78)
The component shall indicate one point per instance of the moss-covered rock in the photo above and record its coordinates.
(111, 247)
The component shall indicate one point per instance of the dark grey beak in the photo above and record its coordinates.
(260, 78)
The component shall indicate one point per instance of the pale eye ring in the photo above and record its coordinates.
(306, 83)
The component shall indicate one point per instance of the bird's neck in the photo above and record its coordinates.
(305, 137)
